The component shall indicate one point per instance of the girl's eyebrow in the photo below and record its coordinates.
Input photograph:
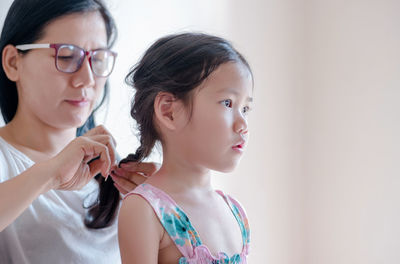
(234, 92)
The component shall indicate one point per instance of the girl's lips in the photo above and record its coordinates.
(79, 103)
(239, 147)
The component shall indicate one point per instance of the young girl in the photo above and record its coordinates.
(193, 92)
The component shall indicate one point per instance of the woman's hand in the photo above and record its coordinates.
(131, 174)
(82, 159)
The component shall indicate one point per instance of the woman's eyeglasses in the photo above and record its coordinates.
(69, 58)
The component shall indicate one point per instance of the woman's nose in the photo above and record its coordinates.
(84, 77)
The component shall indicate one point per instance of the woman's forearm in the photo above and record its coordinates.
(19, 192)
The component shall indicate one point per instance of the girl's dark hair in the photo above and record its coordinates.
(25, 23)
(176, 64)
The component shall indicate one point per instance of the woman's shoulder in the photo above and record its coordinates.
(8, 152)
(12, 161)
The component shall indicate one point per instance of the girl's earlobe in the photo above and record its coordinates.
(9, 62)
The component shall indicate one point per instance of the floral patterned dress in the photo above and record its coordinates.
(181, 231)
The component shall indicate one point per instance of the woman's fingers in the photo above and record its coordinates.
(146, 168)
(101, 134)
(136, 177)
(108, 142)
(82, 159)
(93, 149)
(126, 185)
(100, 130)
(132, 174)
(80, 179)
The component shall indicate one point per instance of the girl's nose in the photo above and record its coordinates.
(240, 126)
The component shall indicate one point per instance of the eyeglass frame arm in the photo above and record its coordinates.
(32, 46)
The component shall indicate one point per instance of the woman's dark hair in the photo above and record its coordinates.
(24, 24)
(176, 64)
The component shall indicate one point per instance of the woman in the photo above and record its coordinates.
(56, 58)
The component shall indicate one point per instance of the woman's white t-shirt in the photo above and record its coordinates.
(51, 229)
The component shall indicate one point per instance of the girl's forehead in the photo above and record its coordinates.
(231, 77)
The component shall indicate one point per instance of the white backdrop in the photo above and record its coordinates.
(320, 177)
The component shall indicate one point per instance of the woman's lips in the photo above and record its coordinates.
(79, 102)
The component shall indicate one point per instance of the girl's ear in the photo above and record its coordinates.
(167, 109)
(10, 62)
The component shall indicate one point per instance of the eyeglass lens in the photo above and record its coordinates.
(70, 58)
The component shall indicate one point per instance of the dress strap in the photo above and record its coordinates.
(241, 217)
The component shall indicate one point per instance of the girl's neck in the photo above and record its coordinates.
(177, 176)
(36, 139)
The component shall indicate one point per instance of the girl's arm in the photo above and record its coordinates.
(139, 231)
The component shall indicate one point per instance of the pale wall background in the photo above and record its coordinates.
(320, 176)
(352, 129)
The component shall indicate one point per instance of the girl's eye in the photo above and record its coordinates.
(246, 109)
(227, 103)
